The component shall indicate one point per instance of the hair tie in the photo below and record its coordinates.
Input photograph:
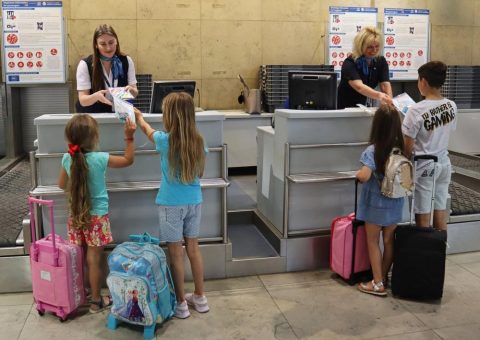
(73, 149)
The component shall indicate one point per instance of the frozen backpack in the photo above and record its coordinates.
(398, 179)
(140, 284)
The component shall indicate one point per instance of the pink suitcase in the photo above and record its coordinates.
(348, 238)
(57, 270)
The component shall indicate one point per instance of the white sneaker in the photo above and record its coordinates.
(182, 311)
(200, 303)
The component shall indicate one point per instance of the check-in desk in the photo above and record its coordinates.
(132, 190)
(305, 177)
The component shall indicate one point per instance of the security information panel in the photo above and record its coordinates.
(33, 43)
(406, 45)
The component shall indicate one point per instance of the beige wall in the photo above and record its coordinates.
(211, 41)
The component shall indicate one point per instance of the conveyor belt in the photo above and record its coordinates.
(464, 201)
(14, 187)
(464, 161)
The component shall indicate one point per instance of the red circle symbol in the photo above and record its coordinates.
(395, 54)
(409, 63)
(29, 64)
(39, 64)
(409, 55)
(402, 55)
(349, 54)
(12, 38)
(388, 54)
(11, 54)
(20, 64)
(390, 40)
(334, 63)
(340, 63)
(402, 63)
(334, 54)
(53, 51)
(20, 54)
(394, 63)
(38, 54)
(341, 55)
(29, 54)
(336, 40)
(420, 53)
(11, 64)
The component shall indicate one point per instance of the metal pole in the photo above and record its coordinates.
(286, 172)
(224, 193)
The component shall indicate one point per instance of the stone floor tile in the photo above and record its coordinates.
(474, 268)
(12, 320)
(426, 335)
(465, 257)
(339, 311)
(318, 276)
(245, 282)
(461, 332)
(247, 314)
(460, 303)
(16, 299)
(83, 326)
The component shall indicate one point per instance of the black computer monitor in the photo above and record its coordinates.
(162, 88)
(312, 90)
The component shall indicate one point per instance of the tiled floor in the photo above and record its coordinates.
(305, 305)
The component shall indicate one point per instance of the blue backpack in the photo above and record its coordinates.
(140, 284)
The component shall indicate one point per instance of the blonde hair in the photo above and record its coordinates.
(367, 36)
(186, 154)
(81, 130)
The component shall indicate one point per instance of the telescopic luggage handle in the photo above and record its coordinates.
(427, 157)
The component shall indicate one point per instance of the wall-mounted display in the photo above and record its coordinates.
(33, 42)
(406, 44)
(344, 24)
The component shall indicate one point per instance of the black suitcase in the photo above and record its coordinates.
(419, 257)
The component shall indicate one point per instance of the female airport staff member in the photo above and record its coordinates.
(106, 67)
(363, 71)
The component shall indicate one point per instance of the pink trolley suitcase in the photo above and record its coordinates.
(57, 270)
(347, 239)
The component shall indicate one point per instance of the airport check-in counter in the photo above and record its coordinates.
(305, 177)
(132, 190)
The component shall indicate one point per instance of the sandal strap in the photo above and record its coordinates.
(377, 286)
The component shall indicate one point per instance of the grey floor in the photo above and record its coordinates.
(303, 305)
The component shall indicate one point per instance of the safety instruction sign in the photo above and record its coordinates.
(406, 45)
(345, 23)
(33, 42)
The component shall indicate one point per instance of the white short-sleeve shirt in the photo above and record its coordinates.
(430, 122)
(85, 83)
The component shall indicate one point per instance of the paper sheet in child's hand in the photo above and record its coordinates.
(403, 102)
(120, 92)
(123, 109)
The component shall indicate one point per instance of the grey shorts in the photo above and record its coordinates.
(424, 183)
(179, 221)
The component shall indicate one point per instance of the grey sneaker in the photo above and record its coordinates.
(182, 311)
(200, 303)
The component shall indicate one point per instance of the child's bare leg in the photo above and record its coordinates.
(440, 219)
(373, 238)
(388, 239)
(175, 251)
(94, 261)
(196, 262)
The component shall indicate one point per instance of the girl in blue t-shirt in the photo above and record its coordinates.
(83, 176)
(182, 160)
(380, 213)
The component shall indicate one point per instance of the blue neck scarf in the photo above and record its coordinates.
(362, 64)
(117, 67)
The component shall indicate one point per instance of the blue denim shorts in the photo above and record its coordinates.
(179, 221)
(424, 185)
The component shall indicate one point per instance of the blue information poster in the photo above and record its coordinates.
(345, 23)
(406, 45)
(33, 42)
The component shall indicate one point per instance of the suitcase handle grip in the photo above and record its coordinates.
(431, 157)
(49, 203)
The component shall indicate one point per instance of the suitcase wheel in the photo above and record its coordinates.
(40, 312)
